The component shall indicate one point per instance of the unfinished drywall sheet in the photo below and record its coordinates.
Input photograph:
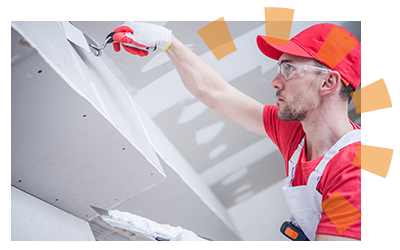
(35, 220)
(90, 77)
(63, 150)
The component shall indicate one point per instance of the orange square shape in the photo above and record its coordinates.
(336, 46)
(340, 211)
(218, 39)
(278, 24)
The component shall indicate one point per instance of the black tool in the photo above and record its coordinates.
(292, 232)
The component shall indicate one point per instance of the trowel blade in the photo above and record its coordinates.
(80, 39)
(100, 211)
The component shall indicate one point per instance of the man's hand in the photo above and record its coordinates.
(139, 38)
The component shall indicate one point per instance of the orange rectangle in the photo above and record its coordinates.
(278, 30)
(371, 97)
(356, 97)
(336, 46)
(375, 160)
(340, 211)
(278, 24)
(292, 234)
(218, 39)
(277, 14)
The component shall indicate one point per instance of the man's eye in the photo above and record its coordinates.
(288, 68)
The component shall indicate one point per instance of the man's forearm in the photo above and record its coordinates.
(198, 77)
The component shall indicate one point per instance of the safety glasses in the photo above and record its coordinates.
(291, 71)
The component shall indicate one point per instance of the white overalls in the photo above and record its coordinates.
(305, 201)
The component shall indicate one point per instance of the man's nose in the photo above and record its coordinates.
(277, 82)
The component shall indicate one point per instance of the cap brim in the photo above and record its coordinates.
(275, 51)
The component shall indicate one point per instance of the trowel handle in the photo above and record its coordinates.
(149, 48)
(109, 39)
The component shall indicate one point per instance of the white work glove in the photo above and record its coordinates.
(139, 38)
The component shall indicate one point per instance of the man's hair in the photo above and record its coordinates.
(345, 91)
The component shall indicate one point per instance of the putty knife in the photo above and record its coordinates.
(129, 227)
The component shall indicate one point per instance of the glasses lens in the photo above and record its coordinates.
(290, 71)
(286, 70)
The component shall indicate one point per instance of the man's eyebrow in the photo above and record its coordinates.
(285, 60)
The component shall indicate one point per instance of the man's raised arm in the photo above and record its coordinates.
(198, 77)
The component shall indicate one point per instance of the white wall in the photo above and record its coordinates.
(35, 220)
(261, 216)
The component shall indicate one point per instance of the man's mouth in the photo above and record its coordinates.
(280, 98)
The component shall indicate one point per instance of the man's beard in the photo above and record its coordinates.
(291, 114)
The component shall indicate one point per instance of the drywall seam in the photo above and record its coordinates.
(208, 133)
(33, 220)
(122, 201)
(191, 111)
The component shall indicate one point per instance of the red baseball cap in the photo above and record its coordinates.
(329, 44)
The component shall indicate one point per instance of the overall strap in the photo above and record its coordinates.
(349, 138)
(294, 159)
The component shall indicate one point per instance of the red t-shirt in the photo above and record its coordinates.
(339, 174)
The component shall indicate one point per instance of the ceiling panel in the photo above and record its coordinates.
(63, 150)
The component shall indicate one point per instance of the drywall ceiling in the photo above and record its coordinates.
(63, 150)
(234, 162)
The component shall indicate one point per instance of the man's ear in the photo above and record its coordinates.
(331, 83)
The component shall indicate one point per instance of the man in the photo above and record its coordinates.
(309, 124)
